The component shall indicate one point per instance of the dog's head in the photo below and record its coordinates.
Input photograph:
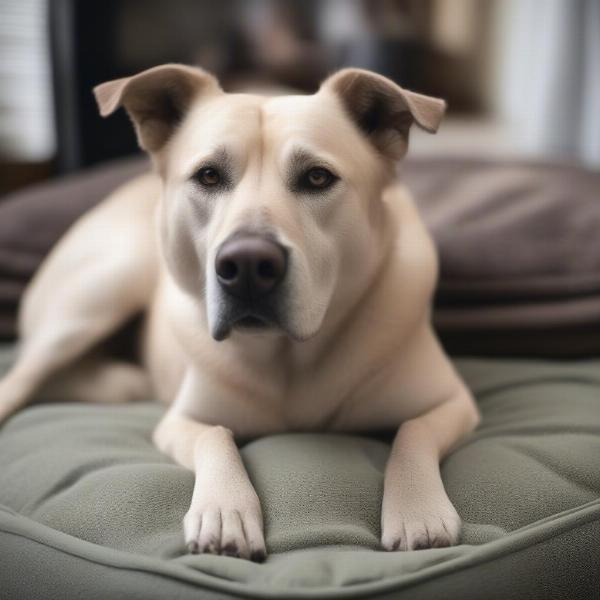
(271, 211)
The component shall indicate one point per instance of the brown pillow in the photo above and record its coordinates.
(520, 253)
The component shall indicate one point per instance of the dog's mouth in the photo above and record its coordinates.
(244, 320)
(251, 322)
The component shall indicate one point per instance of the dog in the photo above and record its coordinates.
(285, 281)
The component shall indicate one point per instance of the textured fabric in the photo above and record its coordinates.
(520, 253)
(89, 508)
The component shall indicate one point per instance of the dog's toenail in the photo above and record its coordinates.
(231, 550)
(258, 556)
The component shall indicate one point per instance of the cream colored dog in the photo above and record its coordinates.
(285, 280)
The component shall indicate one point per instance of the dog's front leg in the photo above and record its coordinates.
(225, 516)
(416, 511)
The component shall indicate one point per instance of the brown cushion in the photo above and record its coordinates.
(520, 253)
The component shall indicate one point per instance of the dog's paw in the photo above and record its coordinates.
(420, 530)
(226, 531)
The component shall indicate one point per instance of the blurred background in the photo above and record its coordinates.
(522, 77)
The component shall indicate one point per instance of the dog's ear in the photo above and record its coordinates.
(156, 99)
(384, 111)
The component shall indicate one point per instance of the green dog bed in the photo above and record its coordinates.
(90, 509)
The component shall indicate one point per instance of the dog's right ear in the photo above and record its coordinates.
(384, 111)
(156, 99)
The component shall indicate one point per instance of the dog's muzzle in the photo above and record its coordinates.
(249, 269)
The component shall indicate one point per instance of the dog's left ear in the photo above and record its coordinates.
(156, 99)
(383, 110)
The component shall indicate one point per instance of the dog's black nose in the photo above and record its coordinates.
(250, 266)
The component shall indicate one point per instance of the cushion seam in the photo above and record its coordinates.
(222, 586)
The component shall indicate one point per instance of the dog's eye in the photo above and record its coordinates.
(208, 177)
(317, 178)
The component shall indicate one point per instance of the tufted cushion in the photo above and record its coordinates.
(89, 508)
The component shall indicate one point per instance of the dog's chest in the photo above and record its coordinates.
(270, 407)
(314, 401)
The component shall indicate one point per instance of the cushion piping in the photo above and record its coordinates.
(562, 522)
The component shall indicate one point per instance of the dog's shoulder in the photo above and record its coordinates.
(414, 252)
